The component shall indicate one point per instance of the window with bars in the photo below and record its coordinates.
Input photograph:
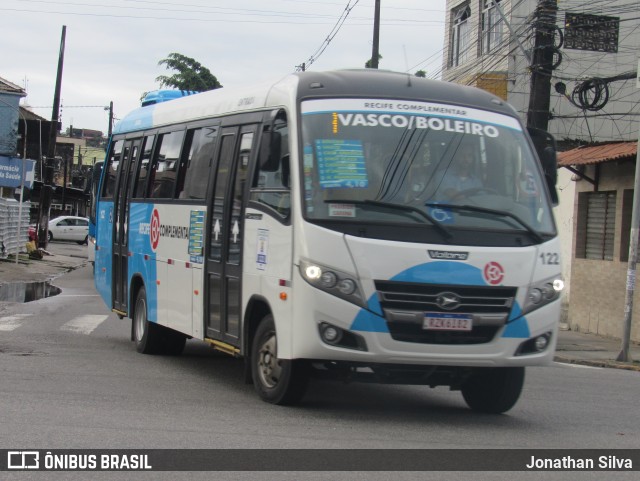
(460, 35)
(492, 26)
(596, 225)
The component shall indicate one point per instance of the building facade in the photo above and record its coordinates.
(593, 100)
(489, 44)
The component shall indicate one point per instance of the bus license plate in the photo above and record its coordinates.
(438, 321)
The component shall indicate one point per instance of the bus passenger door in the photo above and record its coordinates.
(224, 259)
(120, 225)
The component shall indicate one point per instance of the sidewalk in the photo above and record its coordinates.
(573, 347)
(29, 270)
(593, 350)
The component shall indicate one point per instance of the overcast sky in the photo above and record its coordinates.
(113, 46)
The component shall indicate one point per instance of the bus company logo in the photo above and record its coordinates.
(23, 460)
(448, 255)
(154, 234)
(493, 273)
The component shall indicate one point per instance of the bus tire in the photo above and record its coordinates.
(277, 381)
(493, 390)
(146, 335)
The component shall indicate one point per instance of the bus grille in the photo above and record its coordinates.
(404, 305)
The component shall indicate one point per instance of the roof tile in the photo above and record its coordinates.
(595, 154)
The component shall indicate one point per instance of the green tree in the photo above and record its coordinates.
(421, 74)
(368, 64)
(190, 74)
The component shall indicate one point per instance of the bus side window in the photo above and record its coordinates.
(270, 186)
(194, 172)
(145, 162)
(114, 163)
(165, 165)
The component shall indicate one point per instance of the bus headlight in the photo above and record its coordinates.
(347, 287)
(542, 293)
(313, 272)
(329, 279)
(333, 281)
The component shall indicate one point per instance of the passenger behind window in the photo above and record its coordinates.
(460, 176)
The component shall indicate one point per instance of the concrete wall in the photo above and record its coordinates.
(618, 120)
(598, 287)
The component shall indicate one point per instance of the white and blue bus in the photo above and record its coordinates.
(310, 227)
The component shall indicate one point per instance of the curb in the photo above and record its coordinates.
(632, 366)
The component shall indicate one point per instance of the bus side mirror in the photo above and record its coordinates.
(545, 146)
(270, 151)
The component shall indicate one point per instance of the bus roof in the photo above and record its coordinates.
(362, 83)
(158, 96)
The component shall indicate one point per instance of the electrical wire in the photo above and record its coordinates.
(334, 31)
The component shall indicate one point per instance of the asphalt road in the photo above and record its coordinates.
(71, 379)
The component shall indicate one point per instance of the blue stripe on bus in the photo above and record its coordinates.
(440, 271)
(371, 319)
(517, 325)
(140, 245)
(103, 258)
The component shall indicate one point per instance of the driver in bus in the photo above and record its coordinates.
(460, 175)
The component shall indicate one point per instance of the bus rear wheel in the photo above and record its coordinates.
(151, 338)
(146, 334)
(277, 381)
(493, 390)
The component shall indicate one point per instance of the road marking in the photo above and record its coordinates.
(84, 324)
(581, 366)
(9, 323)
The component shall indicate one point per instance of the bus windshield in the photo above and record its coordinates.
(388, 161)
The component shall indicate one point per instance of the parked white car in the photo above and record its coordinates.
(69, 228)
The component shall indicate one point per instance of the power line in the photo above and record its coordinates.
(227, 11)
(334, 31)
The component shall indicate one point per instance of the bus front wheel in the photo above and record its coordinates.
(277, 381)
(493, 390)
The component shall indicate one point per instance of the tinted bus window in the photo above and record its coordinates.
(112, 169)
(145, 162)
(271, 186)
(93, 190)
(193, 184)
(165, 168)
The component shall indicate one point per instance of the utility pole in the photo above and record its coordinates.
(625, 355)
(111, 119)
(542, 64)
(47, 181)
(376, 36)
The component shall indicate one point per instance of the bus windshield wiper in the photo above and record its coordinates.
(401, 207)
(472, 208)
